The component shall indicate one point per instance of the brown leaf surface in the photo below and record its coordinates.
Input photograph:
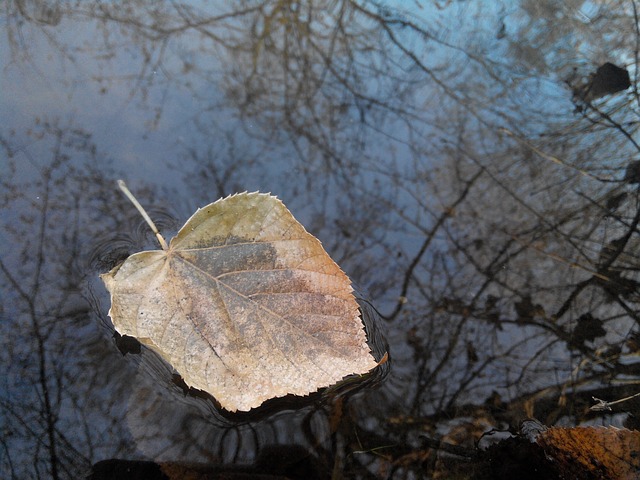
(593, 452)
(245, 304)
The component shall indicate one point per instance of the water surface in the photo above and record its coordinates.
(452, 157)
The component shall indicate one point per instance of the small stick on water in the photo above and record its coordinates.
(604, 405)
(127, 192)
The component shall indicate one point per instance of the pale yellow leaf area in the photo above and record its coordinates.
(245, 304)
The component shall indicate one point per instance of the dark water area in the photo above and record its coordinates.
(472, 166)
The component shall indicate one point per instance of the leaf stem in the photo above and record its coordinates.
(154, 229)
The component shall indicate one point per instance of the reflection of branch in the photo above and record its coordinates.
(614, 124)
(544, 404)
(427, 241)
(50, 417)
(48, 316)
(550, 157)
(604, 267)
(636, 51)
(561, 259)
(14, 283)
(448, 447)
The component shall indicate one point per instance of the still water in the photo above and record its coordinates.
(472, 166)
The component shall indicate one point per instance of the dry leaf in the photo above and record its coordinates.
(244, 303)
(593, 452)
(585, 453)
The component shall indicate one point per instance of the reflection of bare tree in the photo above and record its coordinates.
(55, 359)
(515, 287)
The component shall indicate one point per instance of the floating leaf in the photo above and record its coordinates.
(607, 80)
(587, 329)
(593, 452)
(244, 303)
(589, 453)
